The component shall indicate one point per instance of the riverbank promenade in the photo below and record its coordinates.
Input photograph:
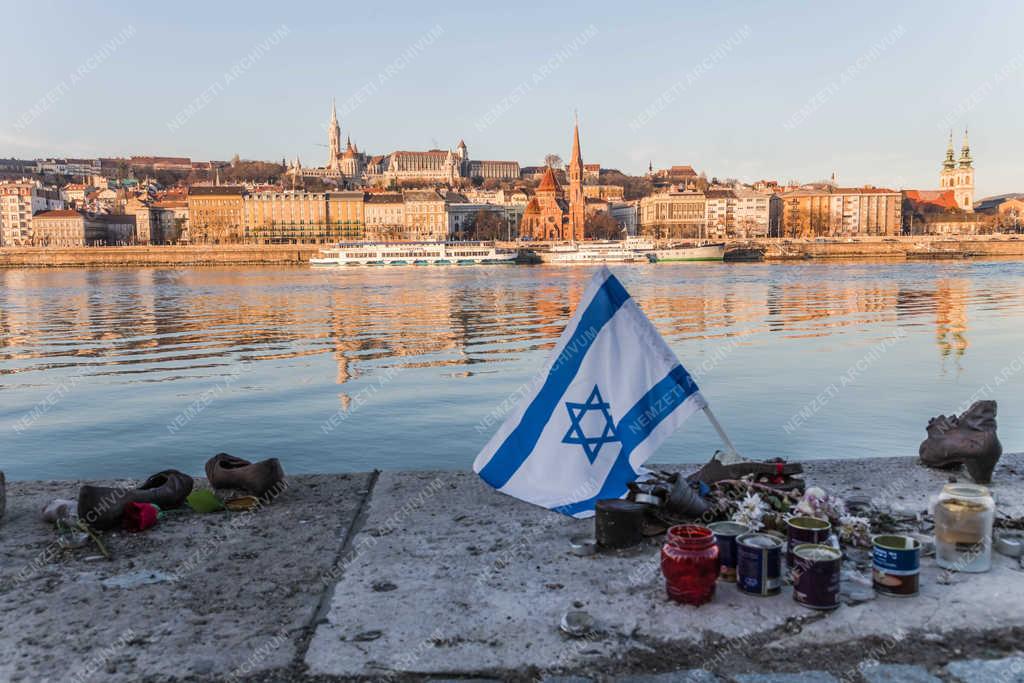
(434, 576)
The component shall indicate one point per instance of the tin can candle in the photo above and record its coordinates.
(726, 534)
(618, 523)
(800, 530)
(816, 575)
(759, 564)
(896, 565)
(689, 562)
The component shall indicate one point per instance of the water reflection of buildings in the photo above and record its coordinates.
(196, 322)
(446, 319)
(951, 299)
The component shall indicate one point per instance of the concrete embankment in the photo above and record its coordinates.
(39, 257)
(283, 254)
(434, 576)
(895, 248)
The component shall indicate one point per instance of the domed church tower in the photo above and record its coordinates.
(965, 178)
(958, 176)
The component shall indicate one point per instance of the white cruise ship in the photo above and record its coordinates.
(599, 251)
(412, 254)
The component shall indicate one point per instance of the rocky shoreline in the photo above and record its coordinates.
(432, 575)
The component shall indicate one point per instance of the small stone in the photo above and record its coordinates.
(802, 677)
(686, 676)
(202, 666)
(1008, 670)
(367, 636)
(577, 623)
(897, 673)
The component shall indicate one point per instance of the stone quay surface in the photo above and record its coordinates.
(434, 576)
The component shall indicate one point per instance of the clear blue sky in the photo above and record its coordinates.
(888, 76)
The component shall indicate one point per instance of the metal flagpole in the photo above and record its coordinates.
(721, 432)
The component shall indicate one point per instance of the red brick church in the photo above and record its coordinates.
(552, 216)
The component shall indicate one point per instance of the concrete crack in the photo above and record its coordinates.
(324, 603)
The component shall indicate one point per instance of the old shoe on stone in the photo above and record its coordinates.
(969, 439)
(228, 472)
(101, 507)
(167, 490)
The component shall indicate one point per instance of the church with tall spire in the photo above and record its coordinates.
(958, 175)
(551, 216)
(353, 168)
(577, 201)
(334, 141)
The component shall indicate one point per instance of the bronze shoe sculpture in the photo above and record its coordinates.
(968, 440)
(228, 472)
(101, 507)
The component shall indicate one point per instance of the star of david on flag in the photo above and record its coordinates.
(576, 434)
(609, 395)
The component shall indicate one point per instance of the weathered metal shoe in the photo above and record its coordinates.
(167, 490)
(776, 473)
(968, 440)
(228, 472)
(101, 507)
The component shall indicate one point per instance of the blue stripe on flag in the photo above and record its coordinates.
(521, 442)
(635, 426)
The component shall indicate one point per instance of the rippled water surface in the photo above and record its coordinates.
(120, 372)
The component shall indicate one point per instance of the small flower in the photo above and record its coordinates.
(855, 531)
(816, 503)
(751, 511)
(815, 493)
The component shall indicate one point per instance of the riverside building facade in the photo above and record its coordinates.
(215, 214)
(673, 214)
(841, 212)
(299, 217)
(19, 202)
(72, 228)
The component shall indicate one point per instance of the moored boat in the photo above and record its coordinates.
(745, 252)
(413, 253)
(697, 252)
(598, 251)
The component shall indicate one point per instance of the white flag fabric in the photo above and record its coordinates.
(611, 393)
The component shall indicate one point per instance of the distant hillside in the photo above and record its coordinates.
(1011, 195)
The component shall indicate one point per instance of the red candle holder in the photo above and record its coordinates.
(690, 564)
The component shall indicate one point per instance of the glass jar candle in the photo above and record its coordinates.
(690, 564)
(964, 514)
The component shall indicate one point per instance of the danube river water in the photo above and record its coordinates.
(122, 372)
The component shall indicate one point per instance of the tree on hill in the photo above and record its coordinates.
(255, 171)
(486, 225)
(601, 226)
(633, 187)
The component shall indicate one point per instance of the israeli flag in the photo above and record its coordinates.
(611, 392)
